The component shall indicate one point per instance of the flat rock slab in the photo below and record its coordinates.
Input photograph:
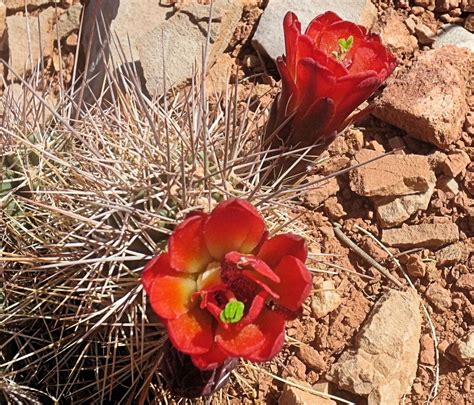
(26, 50)
(127, 21)
(455, 253)
(455, 35)
(422, 235)
(19, 5)
(143, 34)
(429, 100)
(295, 396)
(392, 175)
(455, 163)
(395, 34)
(394, 211)
(69, 21)
(317, 195)
(269, 38)
(383, 363)
(179, 42)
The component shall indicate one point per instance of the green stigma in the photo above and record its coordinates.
(233, 312)
(345, 45)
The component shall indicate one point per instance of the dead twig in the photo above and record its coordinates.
(357, 250)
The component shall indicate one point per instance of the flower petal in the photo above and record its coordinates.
(157, 266)
(272, 325)
(321, 23)
(192, 332)
(335, 67)
(292, 31)
(350, 92)
(287, 244)
(257, 306)
(240, 342)
(292, 272)
(316, 81)
(288, 99)
(236, 268)
(211, 359)
(238, 262)
(304, 50)
(310, 128)
(186, 246)
(371, 55)
(171, 296)
(210, 278)
(347, 84)
(233, 225)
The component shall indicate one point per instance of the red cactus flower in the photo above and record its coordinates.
(223, 289)
(327, 73)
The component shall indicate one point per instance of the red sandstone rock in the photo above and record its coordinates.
(423, 235)
(429, 101)
(393, 175)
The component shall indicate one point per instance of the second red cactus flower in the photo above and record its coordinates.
(327, 73)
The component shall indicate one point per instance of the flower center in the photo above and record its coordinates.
(236, 289)
(345, 45)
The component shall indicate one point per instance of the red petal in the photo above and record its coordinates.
(210, 360)
(241, 262)
(305, 83)
(295, 284)
(272, 326)
(288, 99)
(314, 82)
(192, 333)
(186, 247)
(157, 266)
(352, 90)
(370, 55)
(262, 283)
(314, 29)
(258, 304)
(210, 279)
(304, 50)
(360, 93)
(170, 296)
(311, 127)
(292, 30)
(321, 23)
(336, 68)
(240, 342)
(288, 244)
(234, 225)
